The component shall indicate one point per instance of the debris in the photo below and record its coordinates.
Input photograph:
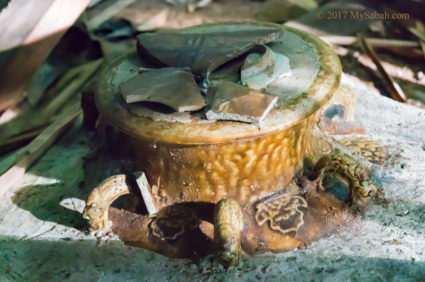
(418, 30)
(393, 88)
(144, 187)
(37, 147)
(76, 77)
(174, 87)
(375, 42)
(32, 118)
(407, 53)
(396, 69)
(67, 54)
(259, 69)
(204, 50)
(239, 103)
(40, 81)
(19, 140)
(37, 27)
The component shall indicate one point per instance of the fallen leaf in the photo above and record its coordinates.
(418, 30)
(393, 88)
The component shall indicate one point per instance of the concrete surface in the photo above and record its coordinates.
(42, 237)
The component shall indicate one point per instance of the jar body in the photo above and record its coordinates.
(244, 170)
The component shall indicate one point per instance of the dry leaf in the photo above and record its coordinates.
(418, 30)
(393, 88)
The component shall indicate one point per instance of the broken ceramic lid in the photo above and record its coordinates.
(174, 87)
(316, 74)
(204, 50)
(264, 66)
(238, 103)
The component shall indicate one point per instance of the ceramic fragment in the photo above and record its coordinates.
(238, 103)
(259, 69)
(173, 87)
(203, 51)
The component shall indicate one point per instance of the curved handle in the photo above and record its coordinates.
(97, 206)
(341, 105)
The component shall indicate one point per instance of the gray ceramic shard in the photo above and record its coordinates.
(204, 51)
(174, 87)
(260, 69)
(238, 103)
